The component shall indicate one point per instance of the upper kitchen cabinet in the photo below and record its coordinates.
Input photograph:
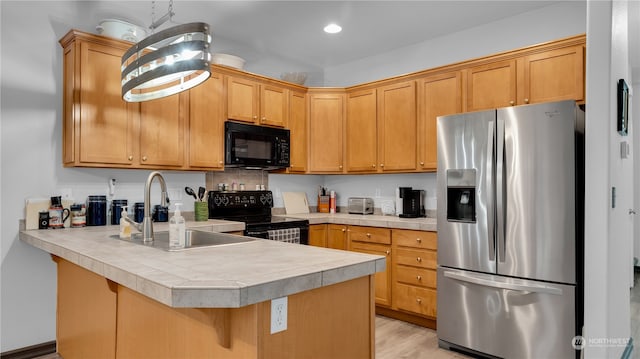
(298, 126)
(99, 127)
(326, 114)
(361, 134)
(438, 95)
(206, 124)
(397, 127)
(258, 103)
(162, 131)
(552, 76)
(491, 85)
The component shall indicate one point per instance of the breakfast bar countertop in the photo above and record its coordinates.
(224, 276)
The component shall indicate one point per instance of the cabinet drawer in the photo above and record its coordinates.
(417, 257)
(415, 239)
(415, 299)
(416, 276)
(370, 234)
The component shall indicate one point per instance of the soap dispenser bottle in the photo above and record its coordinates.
(177, 229)
(125, 226)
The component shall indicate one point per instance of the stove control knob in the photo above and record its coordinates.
(217, 201)
(225, 201)
(263, 199)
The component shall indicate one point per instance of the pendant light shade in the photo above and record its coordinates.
(166, 63)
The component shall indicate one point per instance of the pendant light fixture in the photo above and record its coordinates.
(167, 62)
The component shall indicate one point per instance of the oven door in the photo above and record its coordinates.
(294, 233)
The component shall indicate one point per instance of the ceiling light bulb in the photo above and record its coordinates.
(332, 28)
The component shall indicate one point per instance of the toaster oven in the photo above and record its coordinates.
(360, 205)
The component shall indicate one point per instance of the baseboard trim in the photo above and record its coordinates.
(626, 354)
(30, 351)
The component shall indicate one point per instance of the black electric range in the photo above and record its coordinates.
(254, 209)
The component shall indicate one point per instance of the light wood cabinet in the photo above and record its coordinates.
(376, 241)
(438, 95)
(162, 131)
(552, 76)
(491, 85)
(414, 271)
(326, 131)
(258, 103)
(206, 124)
(337, 236)
(318, 235)
(397, 127)
(361, 132)
(298, 127)
(99, 127)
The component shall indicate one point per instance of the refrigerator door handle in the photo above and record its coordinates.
(491, 155)
(470, 278)
(501, 213)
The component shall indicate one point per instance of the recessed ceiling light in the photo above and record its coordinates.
(332, 28)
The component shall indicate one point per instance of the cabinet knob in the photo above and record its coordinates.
(419, 277)
(421, 163)
(382, 165)
(340, 167)
(264, 119)
(144, 158)
(255, 117)
(220, 162)
(419, 301)
(388, 252)
(419, 259)
(344, 229)
(368, 235)
(526, 100)
(419, 240)
(373, 165)
(512, 103)
(130, 158)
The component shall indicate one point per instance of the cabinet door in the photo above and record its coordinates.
(361, 141)
(162, 125)
(274, 105)
(105, 128)
(382, 279)
(491, 86)
(337, 236)
(438, 95)
(298, 128)
(397, 127)
(318, 235)
(553, 76)
(242, 100)
(325, 131)
(206, 123)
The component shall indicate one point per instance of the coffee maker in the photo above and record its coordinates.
(412, 202)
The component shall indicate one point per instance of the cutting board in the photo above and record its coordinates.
(34, 205)
(295, 202)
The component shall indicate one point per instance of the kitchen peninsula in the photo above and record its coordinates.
(117, 299)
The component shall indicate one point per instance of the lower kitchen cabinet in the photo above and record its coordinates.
(337, 236)
(374, 241)
(318, 235)
(414, 277)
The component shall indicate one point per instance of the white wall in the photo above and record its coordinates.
(545, 24)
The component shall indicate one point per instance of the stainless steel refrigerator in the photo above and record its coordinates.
(510, 187)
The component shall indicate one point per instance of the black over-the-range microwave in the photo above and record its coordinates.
(251, 146)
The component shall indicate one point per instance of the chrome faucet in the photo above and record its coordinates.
(146, 227)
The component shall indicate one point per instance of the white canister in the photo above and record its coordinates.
(122, 30)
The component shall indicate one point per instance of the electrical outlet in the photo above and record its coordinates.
(378, 192)
(278, 315)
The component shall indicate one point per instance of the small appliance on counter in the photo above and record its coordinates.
(412, 202)
(360, 205)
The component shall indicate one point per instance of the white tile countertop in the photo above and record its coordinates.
(370, 220)
(225, 276)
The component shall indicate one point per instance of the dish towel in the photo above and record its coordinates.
(289, 235)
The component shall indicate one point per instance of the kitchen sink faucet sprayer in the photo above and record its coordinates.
(146, 227)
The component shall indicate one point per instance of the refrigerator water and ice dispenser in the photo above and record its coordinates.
(461, 195)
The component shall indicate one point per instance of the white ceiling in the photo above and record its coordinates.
(293, 29)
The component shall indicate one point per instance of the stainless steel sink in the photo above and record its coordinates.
(193, 239)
